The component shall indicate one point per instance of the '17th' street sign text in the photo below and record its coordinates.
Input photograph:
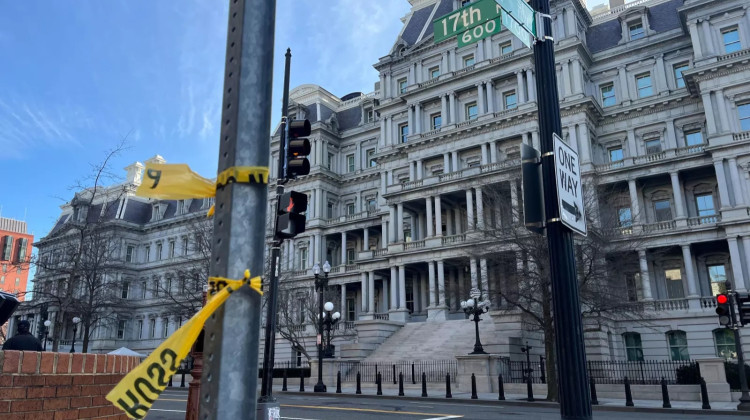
(476, 13)
(569, 188)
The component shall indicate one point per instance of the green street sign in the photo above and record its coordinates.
(467, 17)
(518, 17)
(489, 28)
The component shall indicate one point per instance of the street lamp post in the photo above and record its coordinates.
(329, 320)
(76, 320)
(475, 307)
(47, 323)
(527, 349)
(321, 284)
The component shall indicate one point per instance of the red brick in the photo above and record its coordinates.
(16, 393)
(56, 403)
(66, 415)
(30, 362)
(24, 405)
(6, 380)
(28, 380)
(83, 380)
(40, 392)
(48, 363)
(4, 406)
(11, 361)
(110, 363)
(58, 380)
(88, 412)
(63, 363)
(77, 365)
(39, 415)
(98, 401)
(89, 363)
(69, 391)
(13, 416)
(90, 390)
(107, 411)
(80, 402)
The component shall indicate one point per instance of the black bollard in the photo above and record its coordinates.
(529, 388)
(182, 381)
(359, 384)
(380, 388)
(301, 380)
(628, 394)
(424, 384)
(394, 374)
(413, 379)
(283, 383)
(448, 393)
(338, 382)
(592, 386)
(474, 395)
(500, 388)
(704, 395)
(665, 394)
(170, 381)
(400, 384)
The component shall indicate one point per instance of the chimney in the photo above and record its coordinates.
(615, 3)
(135, 173)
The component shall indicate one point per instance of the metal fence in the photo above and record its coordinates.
(642, 372)
(435, 370)
(516, 371)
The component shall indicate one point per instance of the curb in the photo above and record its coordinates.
(517, 403)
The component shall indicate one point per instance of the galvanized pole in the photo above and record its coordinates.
(744, 404)
(575, 399)
(230, 373)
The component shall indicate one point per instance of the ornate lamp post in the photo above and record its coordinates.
(47, 323)
(329, 320)
(475, 307)
(76, 320)
(321, 284)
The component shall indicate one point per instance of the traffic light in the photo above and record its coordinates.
(297, 148)
(290, 222)
(743, 303)
(723, 309)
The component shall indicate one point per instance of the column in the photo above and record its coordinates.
(473, 271)
(446, 163)
(721, 108)
(430, 225)
(444, 63)
(438, 217)
(484, 278)
(530, 84)
(441, 283)
(635, 206)
(394, 284)
(343, 303)
(585, 149)
(736, 186)
(365, 239)
(572, 131)
(480, 208)
(400, 222)
(392, 232)
(423, 294)
(722, 181)
(577, 77)
(411, 79)
(371, 292)
(387, 127)
(515, 208)
(383, 234)
(480, 98)
(490, 97)
(453, 108)
(292, 258)
(632, 146)
(520, 87)
(461, 292)
(566, 78)
(709, 110)
(454, 156)
(381, 140)
(343, 248)
(677, 191)
(469, 209)
(746, 246)
(457, 222)
(645, 279)
(493, 152)
(401, 287)
(661, 77)
(483, 148)
(443, 110)
(690, 273)
(431, 282)
(412, 171)
(420, 167)
(419, 72)
(734, 255)
(410, 119)
(707, 36)
(452, 59)
(363, 282)
(388, 84)
(671, 136)
(319, 247)
(418, 117)
(535, 139)
(479, 52)
(697, 50)
(624, 90)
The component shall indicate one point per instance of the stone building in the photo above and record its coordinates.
(653, 96)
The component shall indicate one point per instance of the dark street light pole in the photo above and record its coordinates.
(474, 307)
(527, 349)
(76, 320)
(321, 284)
(329, 320)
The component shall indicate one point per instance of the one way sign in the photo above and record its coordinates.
(569, 188)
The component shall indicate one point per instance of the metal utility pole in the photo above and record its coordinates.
(230, 372)
(744, 404)
(575, 400)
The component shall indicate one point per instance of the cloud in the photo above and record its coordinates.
(25, 127)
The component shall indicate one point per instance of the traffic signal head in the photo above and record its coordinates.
(743, 304)
(290, 222)
(297, 148)
(723, 310)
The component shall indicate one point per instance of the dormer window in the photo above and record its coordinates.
(369, 115)
(636, 30)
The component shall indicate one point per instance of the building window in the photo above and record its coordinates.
(631, 282)
(744, 112)
(171, 249)
(350, 163)
(125, 290)
(673, 279)
(371, 158)
(369, 115)
(509, 99)
(403, 130)
(693, 138)
(372, 204)
(402, 85)
(302, 258)
(724, 341)
(351, 309)
(717, 274)
(437, 121)
(643, 82)
(678, 349)
(143, 290)
(625, 216)
(615, 154)
(678, 69)
(506, 48)
(129, 253)
(653, 146)
(662, 210)
(471, 111)
(158, 251)
(147, 254)
(329, 163)
(633, 346)
(185, 245)
(636, 31)
(165, 325)
(329, 210)
(705, 205)
(731, 38)
(608, 94)
(350, 208)
(121, 329)
(139, 328)
(151, 328)
(434, 72)
(7, 247)
(469, 60)
(350, 256)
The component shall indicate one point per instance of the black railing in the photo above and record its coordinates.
(647, 372)
(434, 369)
(292, 369)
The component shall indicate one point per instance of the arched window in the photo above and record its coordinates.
(724, 341)
(677, 342)
(633, 346)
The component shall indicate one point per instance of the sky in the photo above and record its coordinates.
(79, 77)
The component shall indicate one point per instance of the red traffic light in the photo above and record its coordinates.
(722, 299)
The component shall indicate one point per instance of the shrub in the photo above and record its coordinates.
(733, 374)
(688, 374)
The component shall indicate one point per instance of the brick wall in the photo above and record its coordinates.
(60, 386)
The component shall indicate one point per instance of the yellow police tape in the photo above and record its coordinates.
(135, 393)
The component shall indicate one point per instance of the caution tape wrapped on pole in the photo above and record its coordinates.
(138, 390)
